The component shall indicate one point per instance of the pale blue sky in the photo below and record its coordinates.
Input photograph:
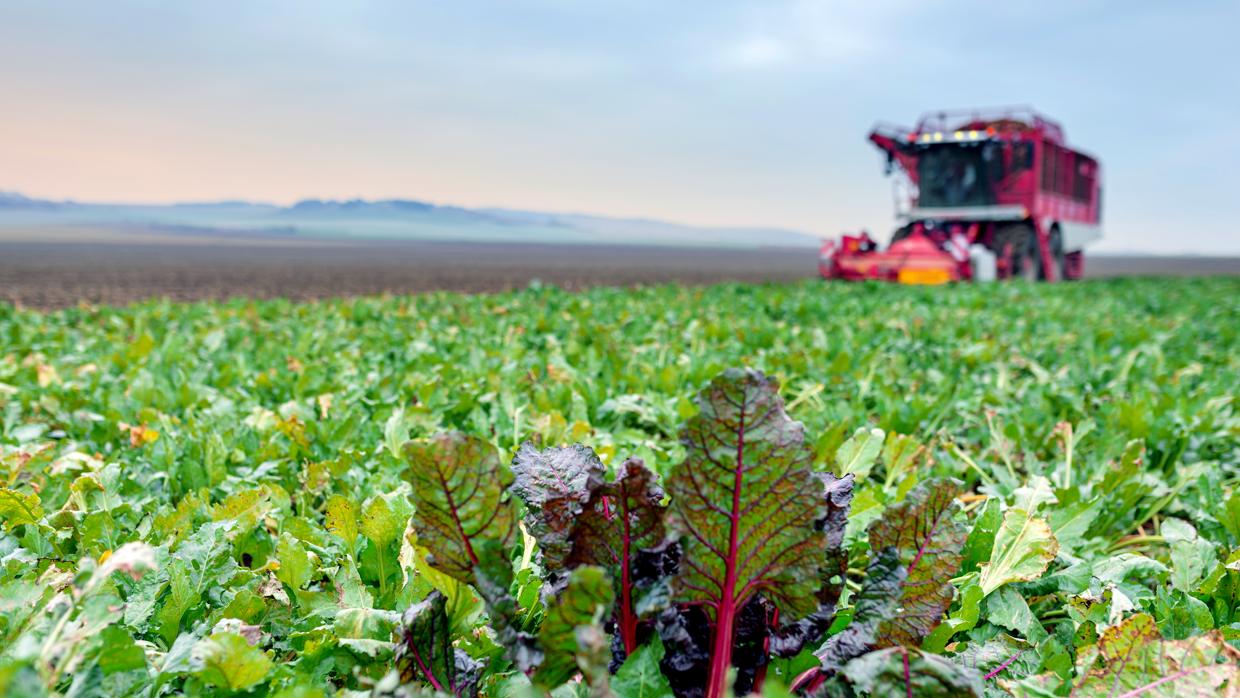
(713, 112)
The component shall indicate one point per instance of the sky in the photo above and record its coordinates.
(713, 112)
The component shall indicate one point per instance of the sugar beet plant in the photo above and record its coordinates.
(688, 589)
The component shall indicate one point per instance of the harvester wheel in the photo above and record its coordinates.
(1029, 262)
(1020, 240)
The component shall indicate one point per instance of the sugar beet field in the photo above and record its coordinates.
(781, 489)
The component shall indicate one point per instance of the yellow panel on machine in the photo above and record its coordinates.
(931, 277)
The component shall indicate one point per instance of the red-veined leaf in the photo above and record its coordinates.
(581, 519)
(425, 652)
(621, 519)
(929, 536)
(464, 519)
(460, 495)
(746, 502)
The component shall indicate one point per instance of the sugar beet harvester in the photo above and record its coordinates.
(983, 195)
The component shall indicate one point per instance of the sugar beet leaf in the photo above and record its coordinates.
(425, 652)
(747, 517)
(621, 521)
(555, 484)
(564, 635)
(878, 601)
(900, 671)
(789, 639)
(928, 533)
(760, 635)
(466, 523)
(460, 495)
(917, 548)
(581, 519)
(1132, 659)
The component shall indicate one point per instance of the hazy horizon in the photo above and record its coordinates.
(722, 114)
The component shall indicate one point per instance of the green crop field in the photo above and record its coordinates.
(1033, 490)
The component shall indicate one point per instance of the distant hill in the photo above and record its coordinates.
(388, 219)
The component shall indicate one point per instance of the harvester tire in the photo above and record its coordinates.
(1026, 262)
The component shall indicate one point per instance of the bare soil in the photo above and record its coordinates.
(52, 269)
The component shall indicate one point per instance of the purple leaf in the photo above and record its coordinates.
(555, 484)
(622, 520)
(580, 519)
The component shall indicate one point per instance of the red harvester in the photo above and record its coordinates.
(986, 194)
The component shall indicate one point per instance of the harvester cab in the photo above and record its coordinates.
(988, 194)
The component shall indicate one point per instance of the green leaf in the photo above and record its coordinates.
(341, 519)
(1024, 547)
(586, 601)
(228, 661)
(999, 658)
(965, 618)
(746, 502)
(867, 506)
(1192, 558)
(460, 494)
(901, 455)
(1008, 609)
(982, 536)
(1117, 568)
(640, 675)
(181, 598)
(350, 591)
(1070, 523)
(17, 508)
(1181, 616)
(396, 432)
(180, 656)
(1229, 516)
(372, 628)
(858, 454)
(927, 532)
(463, 604)
(118, 652)
(380, 524)
(1033, 494)
(296, 569)
(246, 507)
